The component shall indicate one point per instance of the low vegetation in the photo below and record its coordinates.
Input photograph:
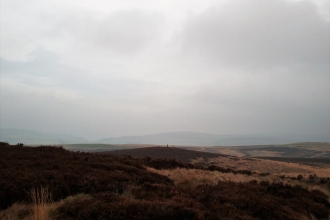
(53, 183)
(315, 150)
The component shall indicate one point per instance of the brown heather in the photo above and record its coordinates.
(102, 186)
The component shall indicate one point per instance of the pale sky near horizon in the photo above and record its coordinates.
(104, 68)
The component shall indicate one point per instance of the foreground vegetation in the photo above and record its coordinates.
(53, 183)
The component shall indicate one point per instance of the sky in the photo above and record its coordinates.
(103, 68)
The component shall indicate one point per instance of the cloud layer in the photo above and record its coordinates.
(109, 69)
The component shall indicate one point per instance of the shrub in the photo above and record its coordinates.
(121, 188)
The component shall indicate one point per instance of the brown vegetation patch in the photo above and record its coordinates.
(225, 200)
(295, 150)
(65, 173)
(120, 187)
(270, 166)
(165, 152)
(195, 177)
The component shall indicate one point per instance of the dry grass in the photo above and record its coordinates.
(39, 209)
(41, 199)
(195, 177)
(269, 166)
(319, 149)
(75, 197)
(16, 212)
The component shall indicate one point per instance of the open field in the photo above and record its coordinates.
(272, 167)
(54, 183)
(294, 167)
(295, 150)
(195, 177)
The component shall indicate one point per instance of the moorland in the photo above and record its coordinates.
(48, 182)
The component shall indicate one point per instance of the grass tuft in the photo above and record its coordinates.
(16, 212)
(41, 200)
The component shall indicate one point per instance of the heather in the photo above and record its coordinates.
(81, 185)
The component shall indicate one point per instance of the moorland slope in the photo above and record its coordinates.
(123, 187)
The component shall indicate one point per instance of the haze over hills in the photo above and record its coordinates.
(30, 137)
(204, 139)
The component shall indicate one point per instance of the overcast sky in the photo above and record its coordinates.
(110, 68)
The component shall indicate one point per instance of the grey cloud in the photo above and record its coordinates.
(278, 101)
(240, 67)
(15, 46)
(91, 116)
(127, 31)
(259, 34)
(123, 31)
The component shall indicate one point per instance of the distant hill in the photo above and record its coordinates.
(92, 147)
(29, 137)
(179, 138)
(165, 152)
(204, 139)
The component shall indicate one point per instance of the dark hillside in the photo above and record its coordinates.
(165, 152)
(120, 187)
(66, 173)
